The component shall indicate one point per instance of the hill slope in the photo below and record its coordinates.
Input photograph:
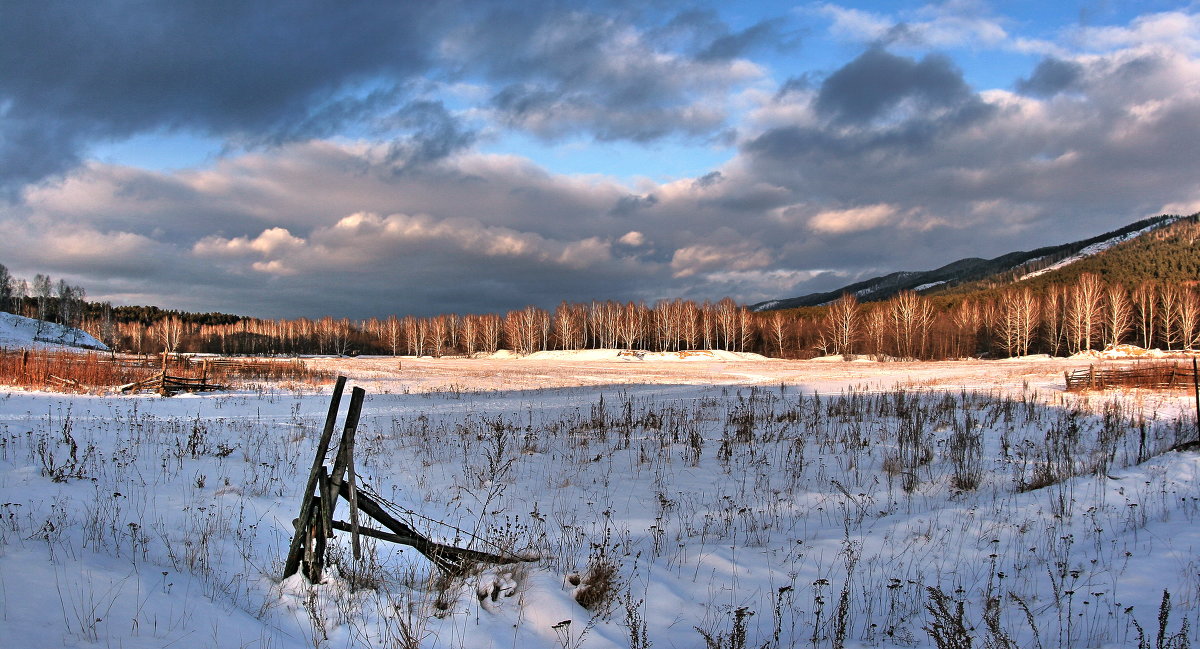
(19, 332)
(973, 271)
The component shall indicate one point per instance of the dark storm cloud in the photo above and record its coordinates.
(1051, 77)
(708, 180)
(627, 205)
(730, 46)
(436, 134)
(265, 74)
(877, 81)
(794, 85)
(880, 118)
(354, 183)
(108, 69)
(896, 173)
(562, 72)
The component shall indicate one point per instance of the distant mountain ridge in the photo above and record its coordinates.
(1014, 266)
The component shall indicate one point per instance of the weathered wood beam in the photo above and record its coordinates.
(296, 551)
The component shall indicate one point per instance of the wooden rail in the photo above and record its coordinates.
(1158, 376)
(167, 385)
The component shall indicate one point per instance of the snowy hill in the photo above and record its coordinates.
(1014, 265)
(19, 332)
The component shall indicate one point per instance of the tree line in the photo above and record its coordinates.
(1061, 318)
(43, 299)
(1054, 318)
(1058, 319)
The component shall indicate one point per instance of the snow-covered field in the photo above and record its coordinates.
(742, 503)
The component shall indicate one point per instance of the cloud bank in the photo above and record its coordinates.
(356, 176)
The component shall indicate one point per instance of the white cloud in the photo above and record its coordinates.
(950, 24)
(853, 219)
(1175, 30)
(744, 255)
(633, 238)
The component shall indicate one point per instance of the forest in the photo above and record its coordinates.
(1142, 292)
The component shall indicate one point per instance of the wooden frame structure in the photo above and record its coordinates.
(315, 524)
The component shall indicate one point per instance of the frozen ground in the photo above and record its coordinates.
(740, 503)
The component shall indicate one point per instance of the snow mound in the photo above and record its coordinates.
(632, 355)
(1123, 351)
(1029, 357)
(1133, 351)
(19, 332)
(842, 358)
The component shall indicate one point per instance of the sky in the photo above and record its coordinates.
(310, 158)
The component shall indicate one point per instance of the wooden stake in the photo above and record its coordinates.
(295, 553)
(1196, 387)
(354, 543)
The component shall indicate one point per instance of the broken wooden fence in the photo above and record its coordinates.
(1158, 376)
(168, 384)
(325, 486)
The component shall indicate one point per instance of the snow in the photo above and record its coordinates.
(1094, 249)
(1126, 351)
(929, 285)
(19, 332)
(637, 355)
(719, 484)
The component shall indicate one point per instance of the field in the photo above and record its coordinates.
(701, 502)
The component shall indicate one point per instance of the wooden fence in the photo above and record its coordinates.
(1157, 376)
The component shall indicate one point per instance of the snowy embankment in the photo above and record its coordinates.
(19, 332)
(766, 513)
(634, 355)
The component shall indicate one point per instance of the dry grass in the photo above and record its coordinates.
(89, 372)
(65, 371)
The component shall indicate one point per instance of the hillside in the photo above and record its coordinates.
(1065, 260)
(19, 332)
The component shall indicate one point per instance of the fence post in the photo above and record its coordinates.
(1196, 387)
(296, 551)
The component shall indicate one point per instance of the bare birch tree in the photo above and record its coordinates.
(966, 320)
(1118, 315)
(777, 327)
(910, 318)
(1169, 295)
(489, 332)
(1189, 319)
(1083, 312)
(1145, 306)
(840, 326)
(1018, 320)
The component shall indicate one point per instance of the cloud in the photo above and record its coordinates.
(76, 74)
(853, 219)
(633, 238)
(355, 183)
(738, 255)
(940, 25)
(1051, 77)
(708, 180)
(249, 76)
(631, 203)
(733, 45)
(870, 86)
(565, 72)
(1178, 31)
